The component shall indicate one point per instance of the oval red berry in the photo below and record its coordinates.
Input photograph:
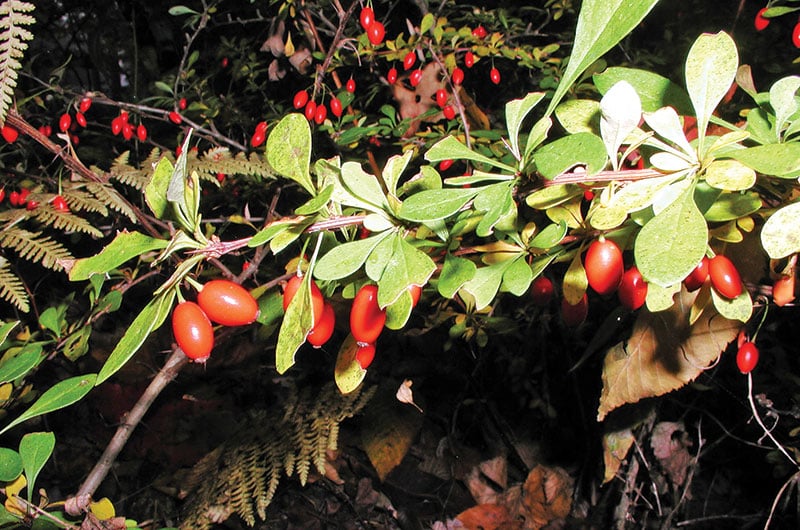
(449, 112)
(441, 97)
(227, 303)
(409, 60)
(632, 289)
(604, 266)
(365, 354)
(457, 76)
(141, 132)
(81, 119)
(85, 105)
(761, 22)
(64, 122)
(310, 110)
(698, 276)
(366, 317)
(469, 59)
(336, 107)
(494, 75)
(350, 86)
(320, 114)
(542, 291)
(796, 35)
(375, 33)
(300, 99)
(10, 134)
(391, 76)
(366, 17)
(574, 315)
(747, 357)
(323, 330)
(59, 204)
(416, 77)
(724, 276)
(175, 118)
(192, 331)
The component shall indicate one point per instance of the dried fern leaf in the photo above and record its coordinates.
(106, 194)
(12, 47)
(12, 289)
(65, 221)
(79, 200)
(34, 247)
(123, 172)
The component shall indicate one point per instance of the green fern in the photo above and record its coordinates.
(12, 289)
(12, 47)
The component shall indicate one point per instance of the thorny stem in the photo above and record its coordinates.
(604, 176)
(168, 372)
(455, 91)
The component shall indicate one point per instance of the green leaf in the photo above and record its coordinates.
(52, 319)
(654, 90)
(398, 313)
(274, 228)
(537, 135)
(639, 194)
(448, 148)
(781, 160)
(673, 242)
(6, 328)
(12, 368)
(779, 235)
(379, 258)
(297, 322)
(621, 113)
(516, 110)
(345, 259)
(550, 236)
(181, 10)
(77, 343)
(289, 150)
(407, 266)
(782, 100)
(575, 281)
(661, 298)
(557, 157)
(601, 25)
(35, 449)
(550, 196)
(739, 308)
(284, 238)
(431, 205)
(579, 115)
(58, 396)
(316, 203)
(125, 246)
(10, 464)
(710, 69)
(496, 201)
(427, 179)
(148, 320)
(517, 277)
(427, 23)
(484, 285)
(363, 186)
(456, 271)
(666, 123)
(393, 170)
(730, 175)
(155, 193)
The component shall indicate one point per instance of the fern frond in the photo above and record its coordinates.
(220, 160)
(34, 247)
(12, 289)
(12, 48)
(65, 221)
(109, 196)
(79, 200)
(123, 172)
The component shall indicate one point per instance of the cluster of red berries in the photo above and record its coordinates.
(121, 125)
(19, 199)
(318, 112)
(761, 22)
(374, 28)
(219, 301)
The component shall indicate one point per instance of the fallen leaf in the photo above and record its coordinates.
(482, 491)
(404, 394)
(488, 517)
(670, 444)
(664, 353)
(496, 470)
(615, 449)
(547, 496)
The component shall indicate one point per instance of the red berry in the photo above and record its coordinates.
(10, 134)
(257, 139)
(724, 276)
(336, 107)
(85, 105)
(182, 104)
(375, 33)
(469, 59)
(261, 127)
(747, 357)
(317, 301)
(391, 77)
(366, 317)
(2, 194)
(350, 86)
(192, 331)
(60, 204)
(227, 303)
(365, 354)
(604, 266)
(116, 125)
(81, 119)
(783, 290)
(588, 195)
(494, 75)
(123, 115)
(64, 122)
(141, 132)
(449, 112)
(31, 205)
(366, 18)
(479, 32)
(13, 198)
(310, 110)
(441, 97)
(175, 117)
(221, 179)
(416, 292)
(416, 77)
(542, 291)
(323, 329)
(633, 289)
(127, 131)
(796, 35)
(300, 99)
(320, 114)
(23, 195)
(409, 60)
(46, 130)
(224, 63)
(444, 165)
(761, 22)
(457, 76)
(698, 276)
(574, 315)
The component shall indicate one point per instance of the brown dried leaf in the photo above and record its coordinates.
(480, 489)
(547, 496)
(663, 353)
(405, 395)
(670, 442)
(488, 517)
(496, 470)
(615, 449)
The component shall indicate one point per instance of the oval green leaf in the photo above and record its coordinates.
(577, 149)
(779, 236)
(125, 246)
(432, 205)
(20, 364)
(289, 150)
(35, 449)
(10, 464)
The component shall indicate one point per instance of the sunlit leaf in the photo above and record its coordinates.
(779, 235)
(58, 396)
(289, 150)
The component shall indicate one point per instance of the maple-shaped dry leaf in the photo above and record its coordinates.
(547, 496)
(663, 353)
